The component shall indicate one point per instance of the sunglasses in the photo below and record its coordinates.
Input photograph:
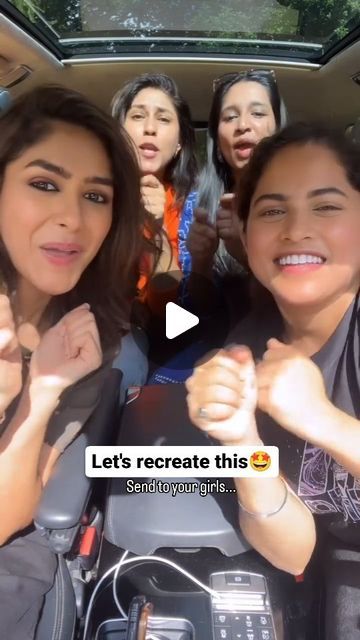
(229, 78)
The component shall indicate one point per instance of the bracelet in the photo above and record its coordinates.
(255, 514)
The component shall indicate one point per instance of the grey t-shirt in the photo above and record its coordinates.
(330, 492)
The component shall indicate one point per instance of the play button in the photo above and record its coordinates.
(178, 320)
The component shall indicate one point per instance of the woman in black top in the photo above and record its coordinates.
(300, 210)
(70, 226)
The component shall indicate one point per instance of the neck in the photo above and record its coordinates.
(311, 328)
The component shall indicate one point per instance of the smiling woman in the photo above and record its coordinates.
(300, 211)
(70, 223)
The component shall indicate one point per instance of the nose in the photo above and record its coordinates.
(296, 227)
(150, 126)
(69, 213)
(242, 123)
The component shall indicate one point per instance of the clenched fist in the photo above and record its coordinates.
(223, 389)
(67, 352)
(153, 196)
(291, 389)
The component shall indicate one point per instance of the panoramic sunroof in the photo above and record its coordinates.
(304, 29)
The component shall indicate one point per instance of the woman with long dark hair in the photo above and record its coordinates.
(158, 120)
(70, 227)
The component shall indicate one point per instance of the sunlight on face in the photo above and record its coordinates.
(246, 118)
(153, 126)
(56, 208)
(303, 232)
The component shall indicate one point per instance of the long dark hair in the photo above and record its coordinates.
(299, 134)
(181, 171)
(109, 283)
(217, 177)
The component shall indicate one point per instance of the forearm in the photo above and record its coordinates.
(339, 435)
(287, 538)
(20, 450)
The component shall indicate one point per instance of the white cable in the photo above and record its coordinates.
(173, 565)
(122, 562)
(93, 595)
(115, 596)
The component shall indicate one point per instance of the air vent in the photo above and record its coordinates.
(356, 78)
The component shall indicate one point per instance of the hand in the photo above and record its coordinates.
(10, 357)
(229, 226)
(291, 389)
(67, 352)
(153, 196)
(203, 239)
(225, 387)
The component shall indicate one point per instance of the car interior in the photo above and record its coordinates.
(150, 565)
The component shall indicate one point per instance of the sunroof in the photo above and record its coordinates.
(294, 28)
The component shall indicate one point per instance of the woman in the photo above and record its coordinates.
(246, 107)
(299, 209)
(69, 253)
(158, 121)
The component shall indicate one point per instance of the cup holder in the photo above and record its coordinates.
(161, 628)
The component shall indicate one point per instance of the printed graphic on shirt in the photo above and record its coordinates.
(326, 487)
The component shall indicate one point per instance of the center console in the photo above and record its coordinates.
(201, 534)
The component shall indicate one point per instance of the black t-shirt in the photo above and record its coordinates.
(329, 491)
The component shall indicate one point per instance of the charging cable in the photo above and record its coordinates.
(124, 562)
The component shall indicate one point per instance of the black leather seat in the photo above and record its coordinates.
(66, 499)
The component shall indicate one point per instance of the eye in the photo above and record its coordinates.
(97, 198)
(165, 119)
(259, 114)
(43, 185)
(327, 208)
(230, 117)
(137, 116)
(271, 213)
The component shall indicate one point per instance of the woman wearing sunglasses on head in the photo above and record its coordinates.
(299, 208)
(246, 107)
(69, 254)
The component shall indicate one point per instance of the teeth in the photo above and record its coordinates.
(300, 259)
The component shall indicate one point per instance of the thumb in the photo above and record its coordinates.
(240, 353)
(274, 343)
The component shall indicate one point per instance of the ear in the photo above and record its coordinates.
(178, 149)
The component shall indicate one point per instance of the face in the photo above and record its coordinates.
(56, 208)
(246, 117)
(303, 232)
(153, 126)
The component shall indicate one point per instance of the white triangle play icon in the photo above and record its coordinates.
(178, 320)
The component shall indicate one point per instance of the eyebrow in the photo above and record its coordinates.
(251, 105)
(280, 197)
(63, 173)
(145, 106)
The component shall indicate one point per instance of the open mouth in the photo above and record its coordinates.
(300, 260)
(244, 149)
(148, 150)
(61, 253)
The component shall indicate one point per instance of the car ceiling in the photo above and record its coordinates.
(329, 93)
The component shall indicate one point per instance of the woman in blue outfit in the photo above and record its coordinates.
(300, 213)
(246, 107)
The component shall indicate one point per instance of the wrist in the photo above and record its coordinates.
(46, 389)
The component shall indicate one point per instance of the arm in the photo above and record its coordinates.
(67, 352)
(21, 482)
(225, 387)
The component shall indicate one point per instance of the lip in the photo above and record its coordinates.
(148, 146)
(244, 148)
(61, 253)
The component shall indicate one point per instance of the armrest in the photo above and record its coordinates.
(66, 494)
